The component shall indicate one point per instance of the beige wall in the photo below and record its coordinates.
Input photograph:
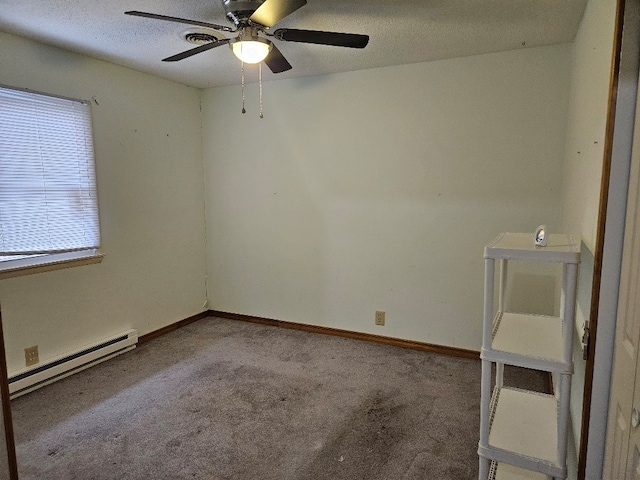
(147, 135)
(363, 191)
(378, 189)
(590, 79)
(591, 60)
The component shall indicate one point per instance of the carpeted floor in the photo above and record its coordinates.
(223, 399)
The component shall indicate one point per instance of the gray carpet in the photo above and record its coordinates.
(223, 399)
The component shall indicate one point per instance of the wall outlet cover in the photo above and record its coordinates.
(31, 356)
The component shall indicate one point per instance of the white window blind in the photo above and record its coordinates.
(48, 201)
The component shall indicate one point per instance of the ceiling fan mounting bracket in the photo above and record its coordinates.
(239, 11)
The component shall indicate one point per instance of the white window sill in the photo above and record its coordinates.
(47, 263)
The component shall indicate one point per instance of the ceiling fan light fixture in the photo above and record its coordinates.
(251, 49)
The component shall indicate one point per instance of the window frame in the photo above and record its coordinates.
(57, 260)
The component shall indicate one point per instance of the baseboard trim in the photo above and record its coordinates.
(368, 337)
(170, 328)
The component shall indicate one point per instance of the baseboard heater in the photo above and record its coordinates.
(57, 368)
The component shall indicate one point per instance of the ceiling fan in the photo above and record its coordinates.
(254, 18)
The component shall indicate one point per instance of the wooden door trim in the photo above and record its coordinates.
(600, 237)
(6, 410)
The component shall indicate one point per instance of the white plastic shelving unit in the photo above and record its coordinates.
(523, 434)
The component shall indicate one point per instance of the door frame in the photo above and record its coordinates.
(620, 124)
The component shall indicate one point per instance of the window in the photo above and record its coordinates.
(48, 201)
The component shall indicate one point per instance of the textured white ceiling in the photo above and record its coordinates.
(401, 32)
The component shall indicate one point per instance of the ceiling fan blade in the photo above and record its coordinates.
(276, 61)
(194, 51)
(351, 40)
(272, 11)
(180, 20)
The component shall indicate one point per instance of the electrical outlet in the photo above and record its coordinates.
(31, 356)
(379, 318)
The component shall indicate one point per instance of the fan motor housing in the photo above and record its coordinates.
(239, 11)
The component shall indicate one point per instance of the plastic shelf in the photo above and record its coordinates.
(520, 246)
(504, 471)
(528, 340)
(524, 431)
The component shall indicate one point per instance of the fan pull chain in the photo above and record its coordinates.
(242, 70)
(260, 81)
